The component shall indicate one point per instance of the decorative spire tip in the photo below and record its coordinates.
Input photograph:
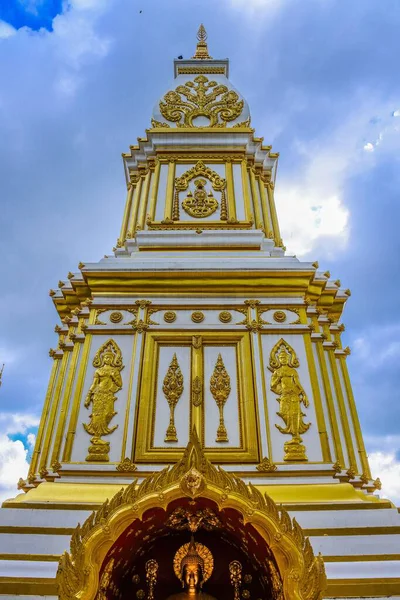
(202, 50)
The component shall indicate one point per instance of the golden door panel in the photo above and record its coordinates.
(201, 380)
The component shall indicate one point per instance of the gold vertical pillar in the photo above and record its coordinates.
(170, 191)
(43, 420)
(137, 188)
(354, 416)
(265, 211)
(127, 212)
(342, 409)
(197, 387)
(145, 199)
(326, 453)
(271, 201)
(65, 402)
(257, 213)
(230, 191)
(246, 192)
(329, 401)
(54, 410)
(154, 190)
(78, 400)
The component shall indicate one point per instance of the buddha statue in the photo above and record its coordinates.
(192, 571)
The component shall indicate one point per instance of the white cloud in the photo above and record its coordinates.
(386, 338)
(385, 466)
(17, 423)
(13, 465)
(6, 30)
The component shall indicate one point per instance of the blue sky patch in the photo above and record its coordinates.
(35, 14)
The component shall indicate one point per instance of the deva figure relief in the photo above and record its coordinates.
(286, 384)
(101, 397)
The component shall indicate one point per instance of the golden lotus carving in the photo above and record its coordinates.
(101, 395)
(220, 386)
(200, 204)
(286, 384)
(79, 569)
(172, 388)
(201, 98)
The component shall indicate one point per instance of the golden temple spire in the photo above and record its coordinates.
(202, 49)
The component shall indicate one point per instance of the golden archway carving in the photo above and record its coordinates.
(302, 573)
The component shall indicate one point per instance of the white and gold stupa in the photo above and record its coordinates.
(199, 388)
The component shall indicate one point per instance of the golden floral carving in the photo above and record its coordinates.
(285, 382)
(151, 577)
(220, 386)
(126, 466)
(192, 482)
(235, 570)
(197, 316)
(107, 382)
(172, 388)
(201, 98)
(170, 316)
(197, 391)
(266, 466)
(155, 123)
(225, 316)
(77, 575)
(182, 518)
(200, 204)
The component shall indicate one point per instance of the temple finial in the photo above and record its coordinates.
(202, 49)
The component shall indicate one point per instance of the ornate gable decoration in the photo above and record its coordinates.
(303, 574)
(201, 98)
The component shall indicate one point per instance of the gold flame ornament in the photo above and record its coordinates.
(172, 388)
(220, 386)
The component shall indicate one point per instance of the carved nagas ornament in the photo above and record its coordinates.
(302, 573)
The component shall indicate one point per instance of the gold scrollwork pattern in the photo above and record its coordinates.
(220, 386)
(172, 388)
(106, 383)
(285, 382)
(197, 391)
(201, 98)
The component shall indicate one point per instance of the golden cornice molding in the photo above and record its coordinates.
(303, 574)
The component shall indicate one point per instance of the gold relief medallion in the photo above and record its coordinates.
(225, 316)
(279, 316)
(116, 317)
(170, 316)
(197, 316)
(200, 204)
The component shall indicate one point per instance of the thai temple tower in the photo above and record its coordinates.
(199, 436)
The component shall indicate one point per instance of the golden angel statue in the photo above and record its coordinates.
(286, 384)
(106, 383)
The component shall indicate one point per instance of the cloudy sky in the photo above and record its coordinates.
(77, 83)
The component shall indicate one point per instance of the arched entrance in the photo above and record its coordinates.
(161, 534)
(153, 520)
